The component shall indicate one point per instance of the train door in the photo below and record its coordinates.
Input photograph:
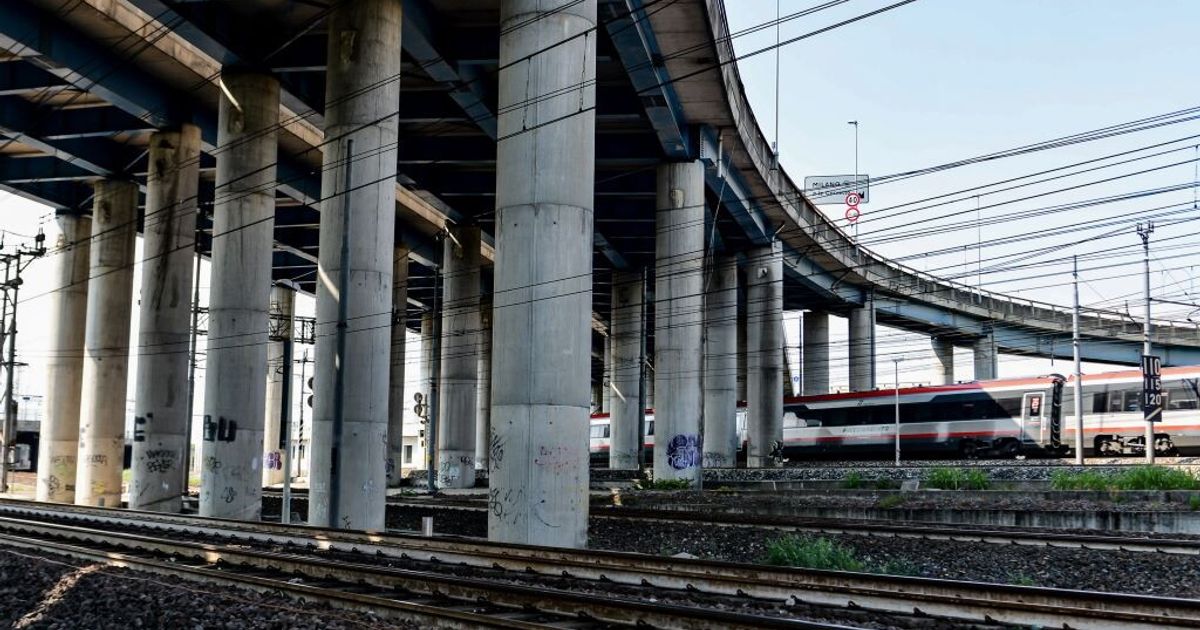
(1032, 413)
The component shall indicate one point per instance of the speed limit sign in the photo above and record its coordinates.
(853, 199)
(852, 211)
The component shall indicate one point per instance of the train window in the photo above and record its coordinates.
(1180, 398)
(649, 427)
(790, 421)
(1115, 402)
(1100, 402)
(1133, 400)
(1011, 406)
(599, 431)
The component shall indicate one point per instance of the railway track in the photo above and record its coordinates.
(453, 582)
(904, 529)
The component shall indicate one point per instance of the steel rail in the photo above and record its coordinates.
(570, 607)
(892, 594)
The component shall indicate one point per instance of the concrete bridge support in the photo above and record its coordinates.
(625, 333)
(395, 432)
(544, 194)
(161, 423)
(764, 353)
(862, 347)
(943, 360)
(458, 402)
(106, 345)
(816, 354)
(483, 397)
(243, 228)
(679, 322)
(986, 357)
(720, 364)
(58, 448)
(357, 246)
(742, 328)
(281, 327)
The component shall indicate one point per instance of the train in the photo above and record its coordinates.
(1032, 417)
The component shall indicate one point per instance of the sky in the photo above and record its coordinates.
(930, 83)
(937, 81)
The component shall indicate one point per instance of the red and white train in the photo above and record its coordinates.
(1005, 417)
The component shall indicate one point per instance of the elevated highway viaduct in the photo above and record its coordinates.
(550, 185)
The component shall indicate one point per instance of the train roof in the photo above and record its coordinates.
(992, 385)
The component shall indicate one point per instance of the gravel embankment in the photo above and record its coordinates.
(998, 470)
(1130, 572)
(45, 591)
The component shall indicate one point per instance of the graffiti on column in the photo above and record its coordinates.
(683, 451)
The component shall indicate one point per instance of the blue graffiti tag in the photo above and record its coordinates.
(683, 451)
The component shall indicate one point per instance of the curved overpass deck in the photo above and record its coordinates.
(821, 258)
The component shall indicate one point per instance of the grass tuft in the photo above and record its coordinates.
(812, 553)
(1135, 478)
(957, 479)
(662, 484)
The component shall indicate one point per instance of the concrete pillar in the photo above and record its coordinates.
(458, 400)
(395, 430)
(625, 333)
(862, 347)
(741, 348)
(678, 322)
(58, 444)
(545, 163)
(106, 345)
(720, 365)
(243, 226)
(281, 326)
(483, 418)
(986, 357)
(161, 423)
(943, 360)
(764, 353)
(362, 90)
(816, 354)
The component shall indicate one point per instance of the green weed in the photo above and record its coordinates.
(662, 484)
(890, 501)
(811, 553)
(1134, 478)
(853, 481)
(958, 479)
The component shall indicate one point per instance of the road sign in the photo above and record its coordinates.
(834, 188)
(852, 213)
(853, 199)
(1151, 388)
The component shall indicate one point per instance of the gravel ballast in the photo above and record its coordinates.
(39, 590)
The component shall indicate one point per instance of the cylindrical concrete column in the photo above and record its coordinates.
(986, 358)
(483, 419)
(625, 333)
(742, 363)
(862, 347)
(106, 345)
(678, 321)
(281, 326)
(816, 354)
(395, 461)
(764, 354)
(458, 399)
(161, 422)
(541, 363)
(720, 365)
(58, 445)
(943, 360)
(358, 219)
(243, 226)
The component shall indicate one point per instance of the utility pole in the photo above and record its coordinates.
(641, 443)
(435, 377)
(14, 264)
(855, 185)
(896, 365)
(1078, 366)
(1145, 232)
(191, 401)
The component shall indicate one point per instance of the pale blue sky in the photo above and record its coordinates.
(940, 80)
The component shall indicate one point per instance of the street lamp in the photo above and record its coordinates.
(896, 364)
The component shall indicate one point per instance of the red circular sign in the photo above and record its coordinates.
(852, 214)
(853, 199)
